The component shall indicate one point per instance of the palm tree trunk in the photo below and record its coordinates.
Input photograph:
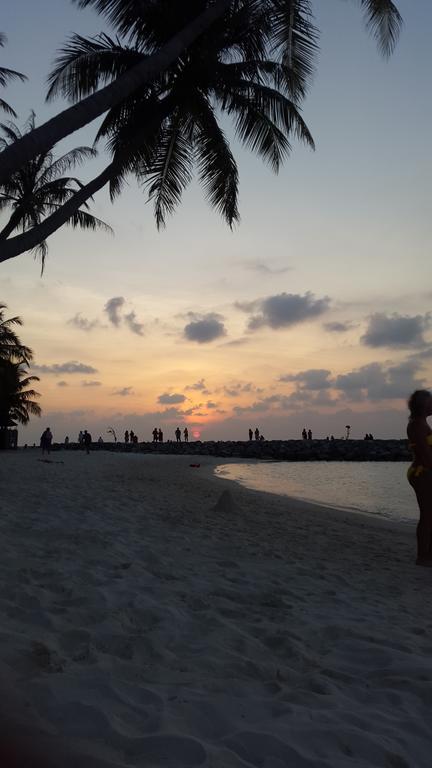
(12, 223)
(25, 242)
(45, 136)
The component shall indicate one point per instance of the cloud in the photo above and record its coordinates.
(91, 384)
(236, 342)
(204, 328)
(62, 384)
(283, 310)
(134, 326)
(337, 327)
(199, 386)
(82, 323)
(167, 399)
(314, 379)
(112, 309)
(378, 382)
(396, 330)
(124, 392)
(264, 269)
(235, 389)
(73, 366)
(211, 405)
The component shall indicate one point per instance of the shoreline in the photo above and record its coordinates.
(146, 611)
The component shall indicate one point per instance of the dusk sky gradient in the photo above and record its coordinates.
(314, 311)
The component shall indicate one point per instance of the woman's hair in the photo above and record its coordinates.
(416, 402)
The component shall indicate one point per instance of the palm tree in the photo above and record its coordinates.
(160, 131)
(6, 75)
(11, 349)
(17, 402)
(39, 189)
(178, 115)
(382, 17)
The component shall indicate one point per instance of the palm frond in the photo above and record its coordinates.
(86, 220)
(6, 75)
(171, 169)
(7, 108)
(384, 22)
(217, 167)
(84, 65)
(71, 159)
(295, 40)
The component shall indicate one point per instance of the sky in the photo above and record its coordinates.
(313, 312)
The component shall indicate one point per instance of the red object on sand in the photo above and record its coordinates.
(194, 465)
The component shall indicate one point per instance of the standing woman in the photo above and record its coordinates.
(420, 471)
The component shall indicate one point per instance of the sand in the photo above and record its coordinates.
(154, 615)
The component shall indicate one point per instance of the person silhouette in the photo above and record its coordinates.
(132, 436)
(87, 441)
(178, 435)
(419, 474)
(304, 434)
(257, 434)
(186, 435)
(309, 434)
(250, 434)
(155, 435)
(126, 439)
(159, 435)
(46, 440)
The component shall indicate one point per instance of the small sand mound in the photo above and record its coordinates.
(225, 504)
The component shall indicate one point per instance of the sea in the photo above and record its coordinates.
(379, 489)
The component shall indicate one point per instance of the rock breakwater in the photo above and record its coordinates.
(275, 450)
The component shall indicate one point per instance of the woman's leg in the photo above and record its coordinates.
(423, 489)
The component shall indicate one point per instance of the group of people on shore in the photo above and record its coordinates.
(130, 437)
(255, 434)
(157, 435)
(306, 435)
(178, 435)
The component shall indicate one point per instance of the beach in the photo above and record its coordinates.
(156, 615)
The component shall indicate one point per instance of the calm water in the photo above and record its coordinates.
(378, 488)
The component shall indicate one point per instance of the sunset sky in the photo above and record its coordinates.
(314, 311)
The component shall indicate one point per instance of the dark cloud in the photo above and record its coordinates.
(337, 327)
(171, 399)
(82, 323)
(62, 384)
(91, 384)
(124, 391)
(314, 378)
(133, 324)
(73, 366)
(396, 330)
(112, 309)
(199, 386)
(283, 310)
(378, 382)
(204, 328)
(210, 405)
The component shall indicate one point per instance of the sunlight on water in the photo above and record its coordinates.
(378, 488)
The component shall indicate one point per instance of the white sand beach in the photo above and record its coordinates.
(144, 624)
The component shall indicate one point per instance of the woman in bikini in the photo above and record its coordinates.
(420, 471)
